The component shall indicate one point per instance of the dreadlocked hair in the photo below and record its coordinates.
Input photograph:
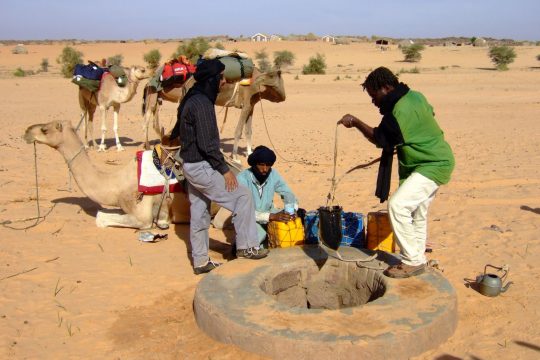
(379, 78)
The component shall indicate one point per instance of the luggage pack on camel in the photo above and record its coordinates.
(89, 76)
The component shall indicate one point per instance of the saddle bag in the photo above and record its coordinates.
(90, 85)
(175, 73)
(90, 71)
(237, 68)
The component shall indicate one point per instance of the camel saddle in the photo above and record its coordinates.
(158, 168)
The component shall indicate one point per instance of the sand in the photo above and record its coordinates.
(71, 290)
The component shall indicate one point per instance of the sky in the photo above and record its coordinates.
(137, 19)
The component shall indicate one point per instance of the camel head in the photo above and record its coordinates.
(138, 73)
(51, 134)
(271, 86)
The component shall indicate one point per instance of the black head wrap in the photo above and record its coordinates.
(261, 155)
(208, 77)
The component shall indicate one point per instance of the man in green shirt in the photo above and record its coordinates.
(425, 162)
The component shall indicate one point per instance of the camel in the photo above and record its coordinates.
(267, 86)
(118, 189)
(109, 94)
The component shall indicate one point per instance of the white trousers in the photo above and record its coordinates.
(408, 208)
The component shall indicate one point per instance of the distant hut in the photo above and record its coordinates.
(275, 37)
(19, 49)
(259, 37)
(329, 38)
(480, 42)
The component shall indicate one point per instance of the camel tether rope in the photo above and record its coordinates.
(167, 163)
(38, 219)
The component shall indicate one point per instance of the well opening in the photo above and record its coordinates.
(332, 285)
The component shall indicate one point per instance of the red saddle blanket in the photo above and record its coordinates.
(149, 179)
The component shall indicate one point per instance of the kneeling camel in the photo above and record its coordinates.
(117, 188)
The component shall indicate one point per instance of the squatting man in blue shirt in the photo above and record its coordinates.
(263, 182)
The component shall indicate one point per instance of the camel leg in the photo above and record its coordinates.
(238, 132)
(84, 115)
(90, 127)
(102, 146)
(249, 132)
(150, 111)
(119, 146)
(120, 220)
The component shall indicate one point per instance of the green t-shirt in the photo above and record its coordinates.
(424, 149)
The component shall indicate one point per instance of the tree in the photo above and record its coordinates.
(317, 65)
(311, 37)
(115, 60)
(412, 52)
(68, 59)
(262, 60)
(192, 50)
(283, 58)
(501, 56)
(152, 58)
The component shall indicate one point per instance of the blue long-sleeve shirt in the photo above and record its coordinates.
(263, 194)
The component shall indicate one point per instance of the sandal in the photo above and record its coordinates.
(404, 271)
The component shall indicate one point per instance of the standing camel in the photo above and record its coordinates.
(109, 94)
(117, 188)
(268, 86)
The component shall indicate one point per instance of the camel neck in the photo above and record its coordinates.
(70, 161)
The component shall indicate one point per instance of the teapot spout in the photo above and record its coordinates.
(505, 287)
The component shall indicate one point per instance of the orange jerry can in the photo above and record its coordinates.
(379, 232)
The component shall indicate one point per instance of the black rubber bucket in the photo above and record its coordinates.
(330, 233)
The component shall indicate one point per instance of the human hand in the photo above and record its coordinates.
(348, 121)
(230, 181)
(281, 216)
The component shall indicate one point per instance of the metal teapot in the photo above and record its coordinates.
(491, 284)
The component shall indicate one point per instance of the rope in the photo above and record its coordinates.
(227, 104)
(38, 219)
(68, 162)
(270, 139)
(163, 171)
(335, 182)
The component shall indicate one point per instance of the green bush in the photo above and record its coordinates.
(412, 52)
(283, 58)
(19, 72)
(153, 59)
(68, 59)
(501, 56)
(192, 50)
(262, 60)
(115, 60)
(317, 65)
(44, 65)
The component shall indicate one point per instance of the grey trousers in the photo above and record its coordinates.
(206, 185)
